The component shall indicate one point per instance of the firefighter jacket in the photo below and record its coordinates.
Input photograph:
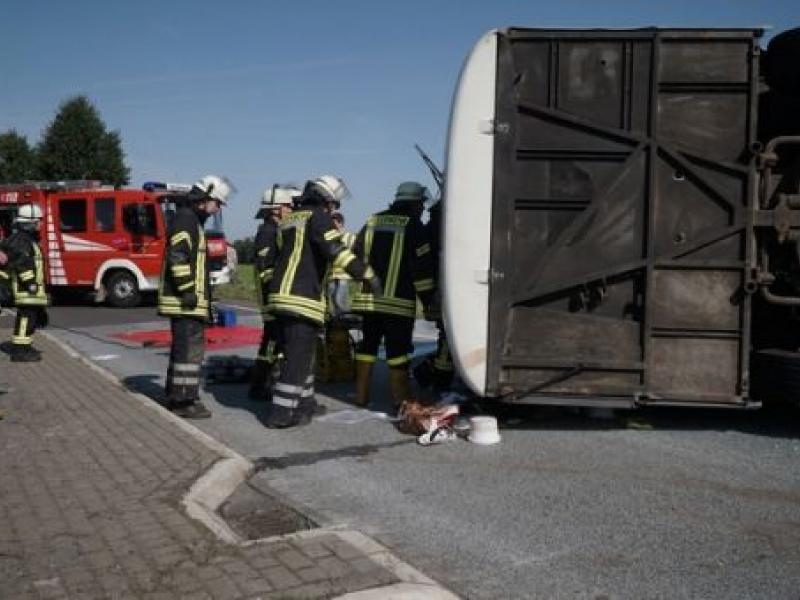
(433, 229)
(25, 270)
(349, 240)
(394, 243)
(310, 246)
(185, 269)
(266, 250)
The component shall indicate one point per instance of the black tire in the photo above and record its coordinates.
(122, 290)
(775, 376)
(780, 66)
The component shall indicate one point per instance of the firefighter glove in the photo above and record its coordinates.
(33, 288)
(189, 300)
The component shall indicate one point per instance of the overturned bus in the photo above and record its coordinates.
(622, 217)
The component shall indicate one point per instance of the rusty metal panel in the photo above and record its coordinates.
(691, 368)
(622, 187)
(696, 299)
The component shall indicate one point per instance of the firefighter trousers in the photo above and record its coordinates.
(185, 359)
(268, 354)
(396, 333)
(25, 325)
(443, 361)
(293, 392)
(270, 348)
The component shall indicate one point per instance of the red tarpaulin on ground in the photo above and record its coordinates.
(217, 338)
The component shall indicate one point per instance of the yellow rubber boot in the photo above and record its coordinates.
(363, 377)
(399, 385)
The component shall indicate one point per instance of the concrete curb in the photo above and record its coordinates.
(215, 485)
(207, 494)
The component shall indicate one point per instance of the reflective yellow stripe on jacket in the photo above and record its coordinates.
(20, 283)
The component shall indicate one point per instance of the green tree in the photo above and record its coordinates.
(245, 250)
(76, 145)
(17, 159)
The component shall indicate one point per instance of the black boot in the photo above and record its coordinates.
(310, 408)
(281, 417)
(191, 410)
(21, 353)
(259, 380)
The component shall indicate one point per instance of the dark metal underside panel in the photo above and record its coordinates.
(620, 211)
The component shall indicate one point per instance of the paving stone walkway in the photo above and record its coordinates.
(91, 482)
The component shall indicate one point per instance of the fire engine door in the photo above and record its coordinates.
(141, 224)
(139, 220)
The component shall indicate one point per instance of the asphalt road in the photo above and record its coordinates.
(657, 504)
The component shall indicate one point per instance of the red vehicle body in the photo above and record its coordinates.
(109, 241)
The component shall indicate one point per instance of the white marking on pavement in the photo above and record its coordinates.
(101, 357)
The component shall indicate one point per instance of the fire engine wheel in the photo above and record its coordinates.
(122, 290)
(775, 375)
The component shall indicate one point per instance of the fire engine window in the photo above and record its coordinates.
(73, 215)
(104, 214)
(140, 219)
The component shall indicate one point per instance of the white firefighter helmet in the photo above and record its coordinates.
(280, 194)
(333, 188)
(275, 196)
(28, 213)
(216, 187)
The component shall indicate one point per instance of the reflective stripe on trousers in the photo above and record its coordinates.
(24, 326)
(185, 359)
(296, 381)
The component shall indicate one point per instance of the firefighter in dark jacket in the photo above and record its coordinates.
(436, 370)
(184, 294)
(275, 205)
(25, 272)
(395, 244)
(310, 247)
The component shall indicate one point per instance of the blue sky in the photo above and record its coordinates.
(283, 91)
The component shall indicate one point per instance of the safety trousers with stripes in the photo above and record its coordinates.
(25, 325)
(293, 392)
(185, 360)
(396, 333)
(443, 361)
(270, 347)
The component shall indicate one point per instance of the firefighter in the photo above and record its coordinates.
(184, 293)
(395, 244)
(5, 279)
(440, 365)
(25, 271)
(276, 204)
(310, 246)
(339, 284)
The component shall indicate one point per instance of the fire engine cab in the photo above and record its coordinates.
(109, 241)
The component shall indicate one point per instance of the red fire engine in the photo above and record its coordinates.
(109, 241)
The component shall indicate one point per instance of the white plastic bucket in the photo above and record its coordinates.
(484, 431)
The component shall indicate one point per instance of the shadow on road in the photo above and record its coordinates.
(303, 459)
(147, 385)
(780, 421)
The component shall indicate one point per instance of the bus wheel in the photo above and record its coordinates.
(122, 290)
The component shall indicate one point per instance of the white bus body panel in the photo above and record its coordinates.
(467, 213)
